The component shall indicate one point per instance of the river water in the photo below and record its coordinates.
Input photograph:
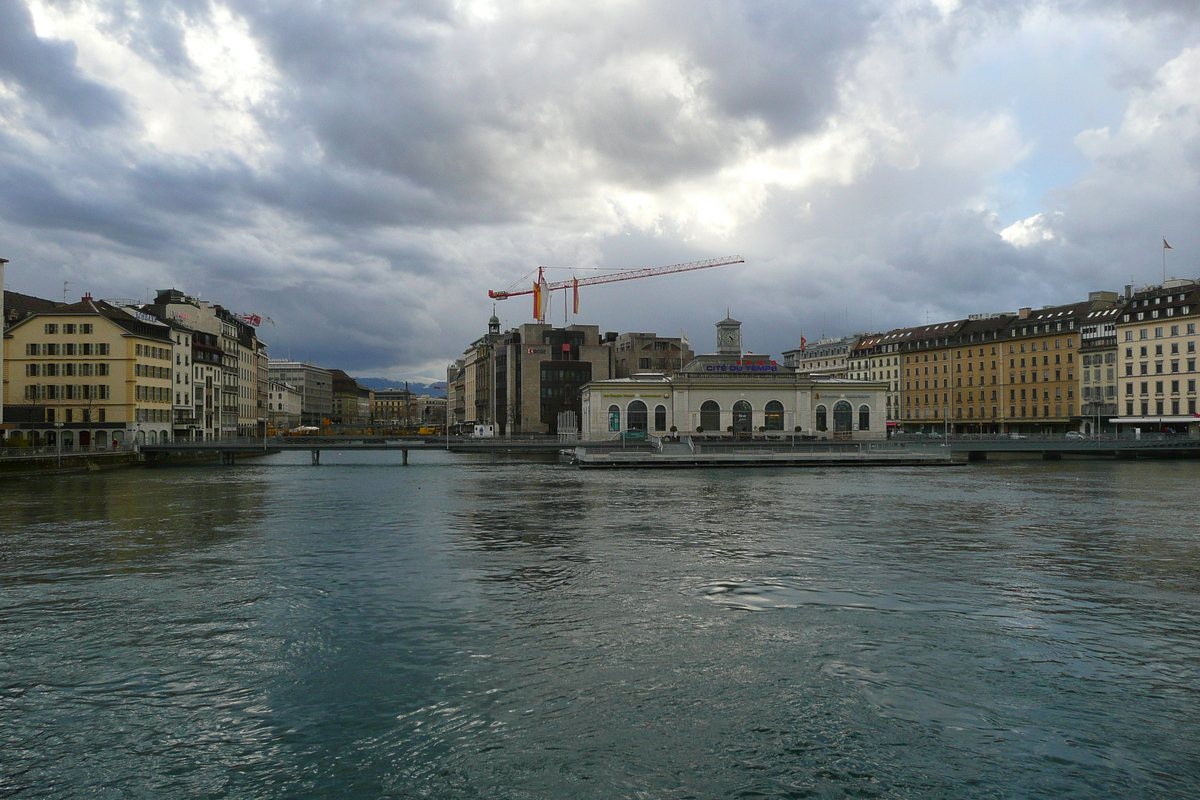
(469, 627)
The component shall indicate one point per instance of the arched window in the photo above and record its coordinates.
(773, 416)
(710, 415)
(822, 425)
(864, 418)
(660, 418)
(636, 416)
(743, 417)
(614, 418)
(843, 416)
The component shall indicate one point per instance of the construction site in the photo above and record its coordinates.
(529, 379)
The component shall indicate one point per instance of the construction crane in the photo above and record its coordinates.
(541, 289)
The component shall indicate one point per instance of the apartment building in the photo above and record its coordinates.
(826, 356)
(241, 391)
(1098, 377)
(1156, 358)
(92, 373)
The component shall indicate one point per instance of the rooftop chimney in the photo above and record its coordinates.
(1024, 313)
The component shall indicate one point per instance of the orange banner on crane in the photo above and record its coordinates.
(575, 287)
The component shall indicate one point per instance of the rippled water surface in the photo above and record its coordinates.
(465, 627)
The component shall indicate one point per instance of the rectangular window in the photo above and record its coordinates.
(69, 328)
(85, 328)
(51, 328)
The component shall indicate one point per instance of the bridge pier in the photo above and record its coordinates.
(1051, 455)
(977, 455)
(316, 458)
(404, 457)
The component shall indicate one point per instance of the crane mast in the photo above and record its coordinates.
(541, 288)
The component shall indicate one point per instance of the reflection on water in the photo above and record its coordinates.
(469, 627)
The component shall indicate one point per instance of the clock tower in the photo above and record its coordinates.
(729, 337)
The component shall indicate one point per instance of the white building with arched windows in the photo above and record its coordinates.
(732, 392)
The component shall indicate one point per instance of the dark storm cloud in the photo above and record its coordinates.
(29, 197)
(420, 93)
(46, 72)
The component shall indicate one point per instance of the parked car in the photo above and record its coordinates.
(1017, 436)
(1074, 436)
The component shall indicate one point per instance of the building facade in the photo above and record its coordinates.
(1098, 375)
(523, 381)
(92, 374)
(1156, 358)
(283, 406)
(634, 353)
(315, 385)
(732, 393)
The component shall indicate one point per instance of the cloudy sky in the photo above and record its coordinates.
(363, 172)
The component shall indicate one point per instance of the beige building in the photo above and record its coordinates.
(828, 356)
(1156, 358)
(730, 392)
(283, 405)
(92, 372)
(634, 353)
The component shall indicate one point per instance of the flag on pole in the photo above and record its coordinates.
(537, 302)
(1165, 245)
(575, 288)
(803, 342)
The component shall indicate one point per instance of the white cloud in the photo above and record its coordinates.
(212, 107)
(1027, 232)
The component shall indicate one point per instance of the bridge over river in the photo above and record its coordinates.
(229, 449)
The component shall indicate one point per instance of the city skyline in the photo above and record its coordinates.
(364, 175)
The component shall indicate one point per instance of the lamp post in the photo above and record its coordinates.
(58, 441)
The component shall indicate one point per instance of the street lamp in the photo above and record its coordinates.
(58, 441)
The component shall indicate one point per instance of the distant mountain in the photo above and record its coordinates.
(433, 390)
